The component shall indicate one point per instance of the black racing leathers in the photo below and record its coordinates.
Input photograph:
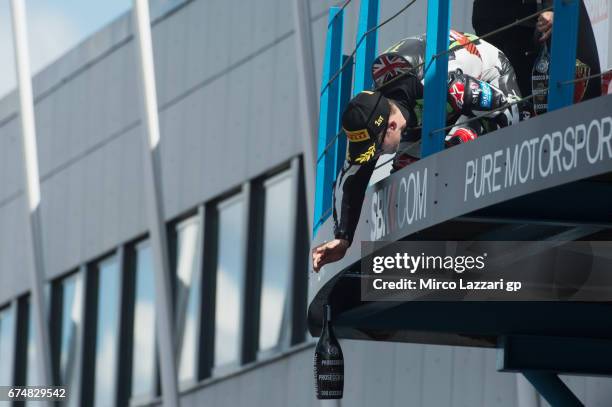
(353, 179)
(349, 191)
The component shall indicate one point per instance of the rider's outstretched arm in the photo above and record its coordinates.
(348, 197)
(349, 192)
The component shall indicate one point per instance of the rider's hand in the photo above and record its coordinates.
(544, 25)
(328, 253)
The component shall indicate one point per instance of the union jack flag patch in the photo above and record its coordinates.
(387, 67)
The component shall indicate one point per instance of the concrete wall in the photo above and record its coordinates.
(385, 374)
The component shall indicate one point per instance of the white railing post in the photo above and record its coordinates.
(34, 246)
(308, 104)
(154, 203)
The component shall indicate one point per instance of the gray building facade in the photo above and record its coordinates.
(235, 208)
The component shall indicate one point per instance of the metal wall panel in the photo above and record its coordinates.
(13, 278)
(437, 379)
(469, 370)
(407, 376)
(499, 389)
(13, 172)
(354, 361)
(131, 193)
(220, 33)
(380, 361)
(379, 374)
(597, 391)
(300, 380)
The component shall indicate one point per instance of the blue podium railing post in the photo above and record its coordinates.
(436, 74)
(366, 52)
(346, 84)
(328, 119)
(563, 53)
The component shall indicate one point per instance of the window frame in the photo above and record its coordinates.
(126, 331)
(198, 219)
(301, 261)
(292, 173)
(91, 326)
(243, 196)
(251, 194)
(56, 311)
(20, 343)
(12, 307)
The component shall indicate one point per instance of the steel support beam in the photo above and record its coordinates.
(517, 353)
(436, 74)
(550, 386)
(34, 249)
(563, 54)
(154, 202)
(526, 394)
(308, 105)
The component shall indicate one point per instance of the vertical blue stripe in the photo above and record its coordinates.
(328, 118)
(346, 84)
(436, 74)
(366, 52)
(563, 53)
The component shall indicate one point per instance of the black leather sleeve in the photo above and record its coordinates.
(406, 91)
(349, 192)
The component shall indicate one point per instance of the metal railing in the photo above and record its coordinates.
(334, 85)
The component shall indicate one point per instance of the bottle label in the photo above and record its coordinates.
(332, 362)
(539, 82)
(328, 362)
(329, 376)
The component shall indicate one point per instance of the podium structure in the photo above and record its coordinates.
(512, 184)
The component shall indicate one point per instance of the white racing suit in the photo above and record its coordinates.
(480, 79)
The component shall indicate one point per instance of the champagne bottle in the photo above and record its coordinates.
(539, 81)
(539, 74)
(328, 362)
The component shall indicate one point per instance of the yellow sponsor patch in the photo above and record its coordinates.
(365, 157)
(357, 135)
(379, 121)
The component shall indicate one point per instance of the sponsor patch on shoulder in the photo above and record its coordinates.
(457, 91)
(486, 95)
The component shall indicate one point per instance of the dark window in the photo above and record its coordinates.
(107, 332)
(278, 230)
(7, 337)
(32, 378)
(188, 261)
(71, 328)
(143, 355)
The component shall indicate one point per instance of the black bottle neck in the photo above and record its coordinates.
(327, 322)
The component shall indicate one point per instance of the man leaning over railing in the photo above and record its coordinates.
(481, 84)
